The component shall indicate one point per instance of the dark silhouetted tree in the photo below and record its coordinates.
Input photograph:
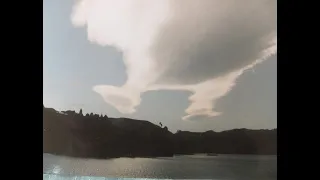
(160, 124)
(80, 112)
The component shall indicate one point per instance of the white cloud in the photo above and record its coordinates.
(198, 46)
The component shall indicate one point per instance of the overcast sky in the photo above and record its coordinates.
(192, 65)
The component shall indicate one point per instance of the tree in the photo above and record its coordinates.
(80, 112)
(160, 124)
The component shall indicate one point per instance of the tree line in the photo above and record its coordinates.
(99, 136)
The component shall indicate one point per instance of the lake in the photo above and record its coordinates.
(226, 167)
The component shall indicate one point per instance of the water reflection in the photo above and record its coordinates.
(60, 177)
(180, 167)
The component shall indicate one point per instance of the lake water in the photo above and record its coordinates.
(226, 167)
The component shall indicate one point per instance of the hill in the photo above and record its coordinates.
(96, 136)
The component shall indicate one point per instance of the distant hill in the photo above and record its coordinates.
(236, 141)
(96, 136)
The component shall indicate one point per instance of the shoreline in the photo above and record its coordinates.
(153, 157)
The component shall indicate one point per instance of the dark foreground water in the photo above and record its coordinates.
(225, 167)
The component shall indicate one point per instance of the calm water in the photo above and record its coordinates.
(226, 167)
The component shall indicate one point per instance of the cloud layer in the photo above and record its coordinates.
(198, 46)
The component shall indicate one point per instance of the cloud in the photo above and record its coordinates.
(198, 46)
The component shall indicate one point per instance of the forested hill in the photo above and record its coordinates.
(75, 134)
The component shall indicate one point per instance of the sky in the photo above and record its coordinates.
(197, 65)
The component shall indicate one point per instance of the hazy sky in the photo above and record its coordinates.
(157, 65)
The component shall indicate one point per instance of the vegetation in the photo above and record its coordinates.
(97, 136)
